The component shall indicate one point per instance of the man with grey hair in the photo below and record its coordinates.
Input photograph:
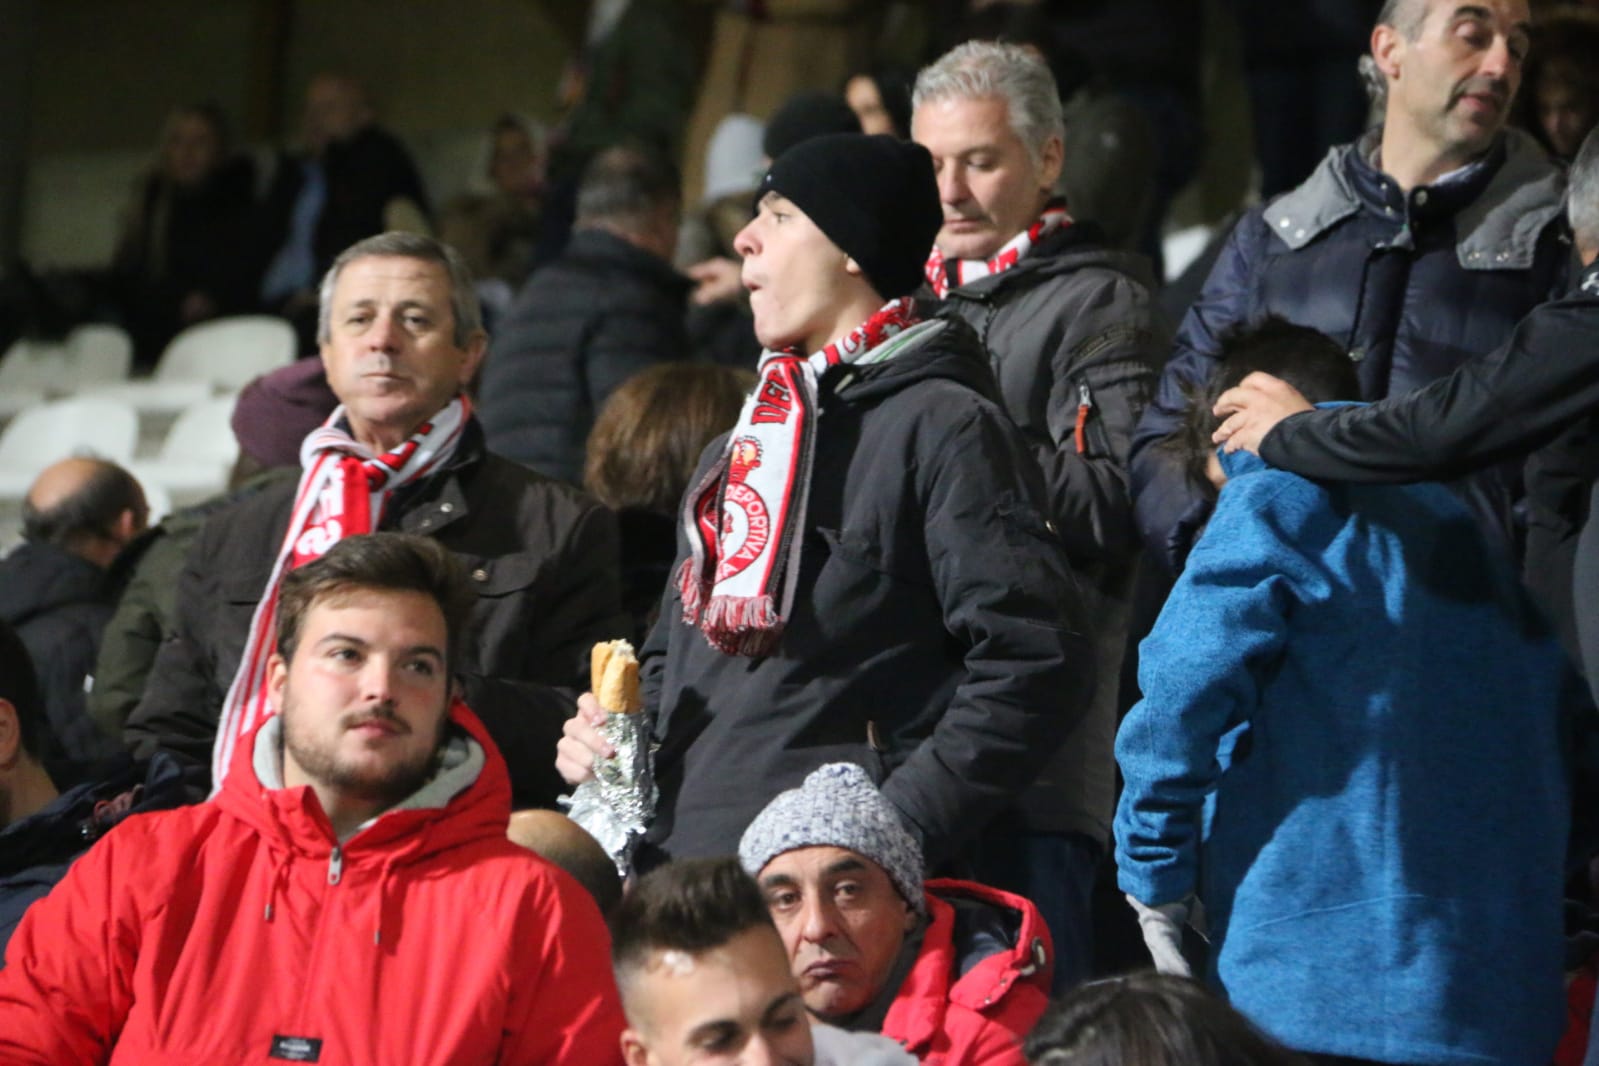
(401, 340)
(609, 306)
(1417, 247)
(1542, 382)
(1071, 333)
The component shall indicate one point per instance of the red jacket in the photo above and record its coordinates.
(239, 931)
(980, 1017)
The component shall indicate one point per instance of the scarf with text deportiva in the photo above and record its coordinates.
(946, 274)
(344, 487)
(745, 517)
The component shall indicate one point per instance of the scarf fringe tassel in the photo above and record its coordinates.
(742, 625)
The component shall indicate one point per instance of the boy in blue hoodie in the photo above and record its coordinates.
(1351, 749)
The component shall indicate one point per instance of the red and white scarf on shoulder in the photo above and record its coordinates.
(745, 518)
(344, 487)
(946, 274)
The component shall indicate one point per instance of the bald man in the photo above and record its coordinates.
(56, 593)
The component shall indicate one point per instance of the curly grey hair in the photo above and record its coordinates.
(1582, 193)
(981, 69)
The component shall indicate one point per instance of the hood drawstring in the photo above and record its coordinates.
(385, 877)
(275, 887)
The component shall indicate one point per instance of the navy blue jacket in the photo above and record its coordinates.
(1413, 286)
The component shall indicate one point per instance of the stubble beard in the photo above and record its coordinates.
(386, 785)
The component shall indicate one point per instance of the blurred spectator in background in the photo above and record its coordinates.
(720, 328)
(271, 419)
(1149, 1019)
(1305, 94)
(881, 100)
(177, 260)
(610, 305)
(762, 54)
(495, 231)
(642, 453)
(631, 83)
(1559, 101)
(352, 180)
(46, 818)
(78, 516)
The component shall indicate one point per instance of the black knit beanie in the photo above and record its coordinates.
(874, 196)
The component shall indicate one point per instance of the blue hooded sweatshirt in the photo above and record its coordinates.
(1351, 747)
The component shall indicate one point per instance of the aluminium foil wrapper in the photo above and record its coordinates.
(615, 805)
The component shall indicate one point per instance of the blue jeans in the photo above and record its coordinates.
(1056, 871)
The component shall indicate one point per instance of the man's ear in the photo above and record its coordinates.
(10, 734)
(1049, 163)
(852, 267)
(277, 679)
(476, 345)
(1387, 48)
(634, 1053)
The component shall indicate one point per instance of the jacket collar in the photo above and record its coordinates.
(427, 506)
(1500, 205)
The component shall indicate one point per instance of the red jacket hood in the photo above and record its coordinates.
(944, 1016)
(292, 818)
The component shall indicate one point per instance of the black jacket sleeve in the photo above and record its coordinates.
(1493, 407)
(1010, 601)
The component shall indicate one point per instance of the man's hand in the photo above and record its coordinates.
(715, 280)
(581, 742)
(1252, 408)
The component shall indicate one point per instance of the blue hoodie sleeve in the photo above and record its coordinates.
(1200, 671)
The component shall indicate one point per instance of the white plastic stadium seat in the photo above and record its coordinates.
(224, 354)
(29, 371)
(41, 435)
(98, 354)
(198, 453)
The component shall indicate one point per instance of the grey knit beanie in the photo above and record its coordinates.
(837, 806)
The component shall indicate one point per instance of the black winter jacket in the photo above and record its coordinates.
(1412, 286)
(1498, 406)
(36, 851)
(934, 637)
(580, 327)
(59, 605)
(1072, 335)
(542, 556)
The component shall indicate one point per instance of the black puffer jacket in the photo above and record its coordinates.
(934, 635)
(59, 605)
(580, 327)
(543, 558)
(1412, 286)
(1074, 338)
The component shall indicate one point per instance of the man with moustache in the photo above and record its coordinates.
(316, 908)
(1417, 247)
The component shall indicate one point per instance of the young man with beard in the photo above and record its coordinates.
(864, 569)
(354, 860)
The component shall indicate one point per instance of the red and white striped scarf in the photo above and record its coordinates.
(745, 517)
(946, 274)
(344, 487)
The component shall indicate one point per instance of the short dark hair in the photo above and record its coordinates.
(388, 562)
(692, 905)
(1153, 1020)
(626, 186)
(19, 686)
(1311, 362)
(88, 513)
(647, 438)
